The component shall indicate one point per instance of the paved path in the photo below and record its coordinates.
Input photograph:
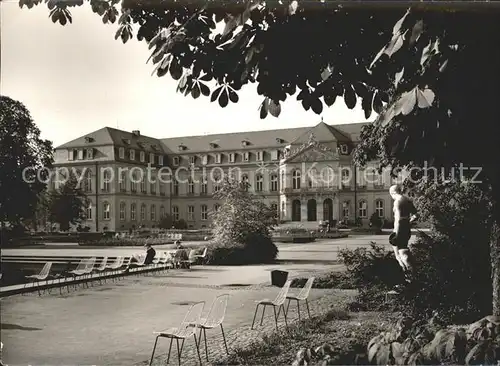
(112, 324)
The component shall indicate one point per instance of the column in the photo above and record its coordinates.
(319, 208)
(336, 208)
(303, 209)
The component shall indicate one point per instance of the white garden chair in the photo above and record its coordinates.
(183, 331)
(41, 276)
(302, 296)
(276, 303)
(101, 269)
(214, 319)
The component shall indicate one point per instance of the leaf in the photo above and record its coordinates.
(316, 105)
(274, 108)
(330, 99)
(443, 66)
(175, 69)
(425, 98)
(406, 103)
(215, 94)
(397, 27)
(263, 108)
(399, 76)
(205, 90)
(349, 96)
(394, 46)
(326, 73)
(416, 31)
(426, 52)
(292, 8)
(195, 93)
(306, 104)
(366, 104)
(233, 96)
(223, 99)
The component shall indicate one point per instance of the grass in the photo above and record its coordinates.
(337, 279)
(346, 333)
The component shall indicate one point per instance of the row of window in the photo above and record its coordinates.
(220, 158)
(81, 154)
(153, 158)
(362, 208)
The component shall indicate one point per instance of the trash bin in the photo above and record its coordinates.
(278, 278)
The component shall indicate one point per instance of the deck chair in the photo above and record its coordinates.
(200, 257)
(214, 319)
(79, 271)
(276, 303)
(42, 276)
(113, 267)
(88, 270)
(184, 331)
(101, 269)
(302, 296)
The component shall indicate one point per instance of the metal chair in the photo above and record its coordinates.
(302, 296)
(113, 267)
(42, 276)
(101, 269)
(201, 257)
(276, 303)
(88, 270)
(214, 319)
(184, 331)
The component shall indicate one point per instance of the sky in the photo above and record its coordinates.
(77, 79)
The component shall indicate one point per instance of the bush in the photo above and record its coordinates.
(375, 221)
(340, 280)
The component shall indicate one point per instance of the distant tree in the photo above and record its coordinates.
(67, 203)
(180, 224)
(376, 221)
(22, 155)
(166, 222)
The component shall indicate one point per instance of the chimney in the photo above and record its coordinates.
(136, 133)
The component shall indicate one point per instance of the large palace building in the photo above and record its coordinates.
(306, 174)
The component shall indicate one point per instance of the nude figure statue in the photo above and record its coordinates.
(404, 215)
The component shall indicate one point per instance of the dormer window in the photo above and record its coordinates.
(121, 152)
(141, 145)
(154, 147)
(279, 140)
(89, 139)
(80, 154)
(218, 158)
(143, 156)
(90, 153)
(245, 143)
(175, 161)
(214, 145)
(126, 141)
(260, 155)
(232, 157)
(192, 159)
(344, 149)
(204, 160)
(246, 156)
(182, 147)
(132, 154)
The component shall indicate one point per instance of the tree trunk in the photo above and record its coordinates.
(495, 266)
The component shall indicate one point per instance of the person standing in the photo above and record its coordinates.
(405, 214)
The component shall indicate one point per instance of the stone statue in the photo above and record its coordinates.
(404, 215)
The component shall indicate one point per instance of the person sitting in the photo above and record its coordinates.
(181, 254)
(150, 255)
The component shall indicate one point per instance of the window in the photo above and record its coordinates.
(133, 182)
(296, 179)
(345, 209)
(175, 187)
(232, 157)
(153, 213)
(88, 212)
(87, 183)
(175, 161)
(90, 153)
(379, 208)
(246, 156)
(260, 155)
(259, 183)
(312, 178)
(218, 158)
(152, 187)
(152, 158)
(204, 212)
(192, 159)
(274, 207)
(122, 211)
(190, 213)
(106, 181)
(123, 181)
(162, 212)
(142, 157)
(204, 160)
(345, 176)
(216, 184)
(80, 154)
(143, 184)
(274, 155)
(121, 152)
(132, 154)
(175, 213)
(328, 177)
(71, 155)
(274, 183)
(162, 189)
(132, 211)
(106, 211)
(244, 180)
(362, 209)
(160, 159)
(143, 212)
(344, 149)
(204, 185)
(216, 207)
(190, 186)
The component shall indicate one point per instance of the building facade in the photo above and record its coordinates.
(306, 174)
